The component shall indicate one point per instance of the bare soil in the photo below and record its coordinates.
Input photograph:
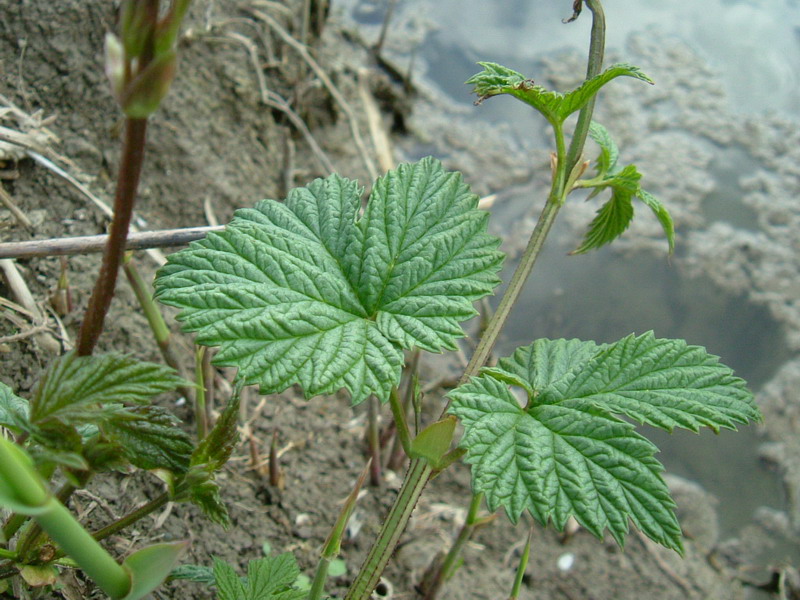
(214, 142)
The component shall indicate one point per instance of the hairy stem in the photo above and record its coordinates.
(370, 573)
(131, 517)
(127, 184)
(597, 46)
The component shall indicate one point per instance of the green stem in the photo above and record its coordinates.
(155, 319)
(373, 441)
(320, 577)
(597, 46)
(523, 564)
(29, 540)
(447, 568)
(334, 542)
(200, 408)
(23, 488)
(131, 517)
(399, 414)
(127, 184)
(79, 544)
(12, 525)
(419, 471)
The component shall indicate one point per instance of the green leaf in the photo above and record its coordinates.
(216, 448)
(611, 221)
(664, 383)
(554, 106)
(272, 576)
(661, 214)
(312, 292)
(229, 585)
(150, 566)
(609, 153)
(13, 409)
(205, 495)
(152, 438)
(269, 578)
(196, 573)
(565, 454)
(615, 215)
(72, 383)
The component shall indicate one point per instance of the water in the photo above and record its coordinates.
(753, 46)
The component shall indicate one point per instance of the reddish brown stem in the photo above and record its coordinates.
(127, 184)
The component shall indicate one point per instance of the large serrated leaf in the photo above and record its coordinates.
(664, 383)
(308, 292)
(151, 438)
(72, 383)
(554, 106)
(565, 454)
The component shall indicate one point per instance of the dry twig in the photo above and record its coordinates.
(96, 243)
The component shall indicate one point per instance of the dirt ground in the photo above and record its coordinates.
(213, 147)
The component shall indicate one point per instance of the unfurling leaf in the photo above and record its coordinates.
(661, 214)
(215, 449)
(206, 497)
(151, 438)
(616, 214)
(554, 106)
(566, 454)
(609, 153)
(314, 292)
(611, 221)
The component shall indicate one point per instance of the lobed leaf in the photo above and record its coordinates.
(554, 106)
(566, 454)
(311, 292)
(72, 384)
(272, 577)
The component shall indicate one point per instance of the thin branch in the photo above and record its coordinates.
(96, 243)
